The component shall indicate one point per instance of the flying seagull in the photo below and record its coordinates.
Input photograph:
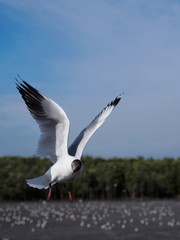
(53, 142)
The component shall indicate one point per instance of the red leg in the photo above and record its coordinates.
(49, 193)
(70, 196)
(69, 193)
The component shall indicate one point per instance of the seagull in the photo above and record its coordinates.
(53, 142)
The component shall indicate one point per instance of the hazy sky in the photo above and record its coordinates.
(82, 54)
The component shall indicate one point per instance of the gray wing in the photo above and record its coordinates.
(78, 145)
(52, 121)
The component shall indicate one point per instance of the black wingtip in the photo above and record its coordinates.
(117, 99)
(26, 90)
(19, 82)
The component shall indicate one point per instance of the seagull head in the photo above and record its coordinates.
(76, 165)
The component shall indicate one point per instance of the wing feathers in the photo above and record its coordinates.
(32, 98)
(107, 110)
(52, 120)
(78, 145)
(54, 124)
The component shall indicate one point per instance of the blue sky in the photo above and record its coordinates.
(82, 54)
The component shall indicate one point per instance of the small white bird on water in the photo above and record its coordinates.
(54, 126)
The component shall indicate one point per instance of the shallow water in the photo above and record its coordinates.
(90, 220)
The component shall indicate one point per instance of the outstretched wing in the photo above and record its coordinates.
(52, 120)
(78, 145)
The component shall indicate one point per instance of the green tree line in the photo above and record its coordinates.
(116, 178)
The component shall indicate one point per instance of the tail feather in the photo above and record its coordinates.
(39, 182)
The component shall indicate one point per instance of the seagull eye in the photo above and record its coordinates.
(76, 165)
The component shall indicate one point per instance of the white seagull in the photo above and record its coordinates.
(53, 142)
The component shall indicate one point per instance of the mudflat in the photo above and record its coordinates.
(87, 220)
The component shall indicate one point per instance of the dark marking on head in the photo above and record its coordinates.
(76, 165)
